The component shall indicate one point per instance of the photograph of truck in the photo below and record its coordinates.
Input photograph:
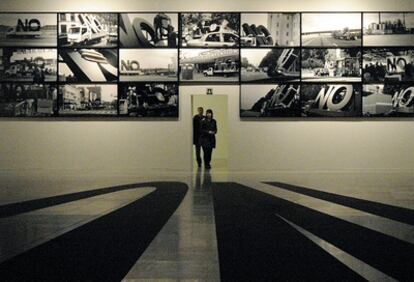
(265, 65)
(210, 29)
(148, 65)
(28, 65)
(209, 65)
(93, 30)
(149, 100)
(147, 30)
(34, 30)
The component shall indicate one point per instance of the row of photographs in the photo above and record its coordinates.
(147, 30)
(369, 65)
(160, 100)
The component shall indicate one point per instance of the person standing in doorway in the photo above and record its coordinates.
(197, 119)
(208, 137)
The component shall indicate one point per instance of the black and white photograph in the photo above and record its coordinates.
(28, 65)
(269, 29)
(210, 29)
(334, 64)
(388, 100)
(331, 29)
(28, 30)
(388, 65)
(149, 100)
(331, 100)
(388, 29)
(88, 65)
(88, 100)
(148, 64)
(28, 100)
(266, 100)
(204, 65)
(97, 30)
(267, 65)
(146, 30)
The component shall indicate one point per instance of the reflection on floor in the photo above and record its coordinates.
(206, 226)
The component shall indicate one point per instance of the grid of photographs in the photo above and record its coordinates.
(287, 64)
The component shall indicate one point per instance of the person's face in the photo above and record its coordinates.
(209, 115)
(200, 111)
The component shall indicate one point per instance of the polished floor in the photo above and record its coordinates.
(206, 226)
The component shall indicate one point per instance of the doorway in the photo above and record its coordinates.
(218, 103)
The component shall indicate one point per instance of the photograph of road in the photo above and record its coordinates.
(269, 29)
(331, 29)
(331, 100)
(88, 99)
(34, 30)
(88, 30)
(28, 100)
(146, 30)
(388, 29)
(148, 64)
(28, 65)
(150, 100)
(209, 65)
(333, 64)
(388, 100)
(264, 100)
(270, 65)
(388, 65)
(210, 29)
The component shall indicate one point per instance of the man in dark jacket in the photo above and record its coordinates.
(208, 137)
(197, 119)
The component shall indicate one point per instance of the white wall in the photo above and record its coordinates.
(166, 145)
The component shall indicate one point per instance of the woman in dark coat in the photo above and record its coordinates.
(207, 138)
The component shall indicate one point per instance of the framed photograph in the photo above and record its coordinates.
(88, 65)
(264, 100)
(28, 65)
(331, 29)
(148, 64)
(28, 30)
(269, 29)
(210, 29)
(80, 30)
(28, 100)
(209, 65)
(388, 100)
(270, 65)
(331, 100)
(87, 100)
(388, 65)
(147, 30)
(388, 29)
(331, 64)
(149, 100)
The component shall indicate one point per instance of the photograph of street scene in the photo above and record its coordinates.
(146, 30)
(210, 29)
(34, 30)
(269, 29)
(83, 30)
(388, 29)
(88, 100)
(331, 64)
(209, 65)
(148, 64)
(388, 65)
(388, 100)
(149, 100)
(331, 29)
(28, 100)
(264, 100)
(270, 65)
(28, 65)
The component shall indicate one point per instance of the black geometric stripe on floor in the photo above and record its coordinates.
(103, 249)
(256, 244)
